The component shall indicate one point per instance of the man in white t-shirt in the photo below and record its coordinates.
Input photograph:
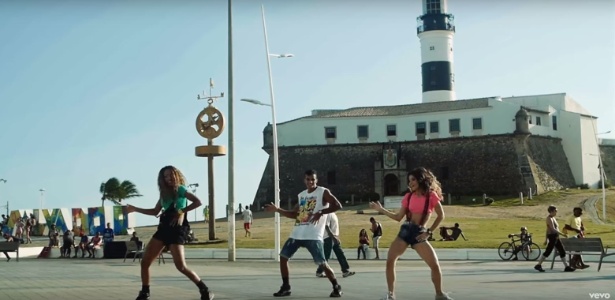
(332, 242)
(247, 220)
(310, 221)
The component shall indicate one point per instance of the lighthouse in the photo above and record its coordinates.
(436, 28)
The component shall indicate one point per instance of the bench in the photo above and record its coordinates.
(584, 246)
(10, 247)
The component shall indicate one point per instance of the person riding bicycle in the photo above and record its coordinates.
(524, 237)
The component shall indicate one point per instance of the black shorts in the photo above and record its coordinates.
(409, 231)
(170, 235)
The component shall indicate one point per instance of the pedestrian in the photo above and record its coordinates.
(172, 230)
(417, 206)
(376, 230)
(553, 241)
(308, 232)
(332, 242)
(247, 221)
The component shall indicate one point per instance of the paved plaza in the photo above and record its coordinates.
(32, 278)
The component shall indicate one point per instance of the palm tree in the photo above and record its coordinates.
(115, 191)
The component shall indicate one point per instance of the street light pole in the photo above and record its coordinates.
(602, 175)
(602, 179)
(276, 167)
(231, 151)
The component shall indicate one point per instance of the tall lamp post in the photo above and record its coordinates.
(602, 176)
(231, 147)
(276, 166)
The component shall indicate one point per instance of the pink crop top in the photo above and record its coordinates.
(416, 204)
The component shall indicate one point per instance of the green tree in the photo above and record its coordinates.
(115, 191)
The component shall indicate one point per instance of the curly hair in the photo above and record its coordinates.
(427, 180)
(166, 191)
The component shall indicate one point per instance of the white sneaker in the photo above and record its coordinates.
(321, 275)
(444, 296)
(388, 296)
(347, 273)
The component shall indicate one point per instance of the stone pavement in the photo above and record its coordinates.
(94, 279)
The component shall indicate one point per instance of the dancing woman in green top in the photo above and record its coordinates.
(172, 229)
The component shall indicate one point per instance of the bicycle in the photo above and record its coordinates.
(529, 249)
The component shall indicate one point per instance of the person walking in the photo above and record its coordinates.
(247, 221)
(332, 242)
(553, 241)
(376, 229)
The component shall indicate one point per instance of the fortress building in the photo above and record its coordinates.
(490, 145)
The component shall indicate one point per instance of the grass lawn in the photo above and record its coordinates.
(484, 226)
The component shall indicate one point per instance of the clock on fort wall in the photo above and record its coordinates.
(389, 158)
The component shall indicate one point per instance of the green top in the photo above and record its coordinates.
(180, 202)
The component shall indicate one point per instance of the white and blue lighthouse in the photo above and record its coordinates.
(436, 29)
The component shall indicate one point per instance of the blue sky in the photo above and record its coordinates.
(95, 89)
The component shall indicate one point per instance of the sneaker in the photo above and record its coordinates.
(539, 268)
(283, 292)
(321, 275)
(347, 273)
(206, 294)
(388, 296)
(337, 291)
(584, 266)
(143, 296)
(444, 296)
(569, 269)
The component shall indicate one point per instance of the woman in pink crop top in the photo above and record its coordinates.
(423, 199)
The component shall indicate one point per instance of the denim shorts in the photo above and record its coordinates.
(315, 247)
(409, 231)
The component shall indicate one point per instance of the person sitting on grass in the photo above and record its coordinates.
(455, 233)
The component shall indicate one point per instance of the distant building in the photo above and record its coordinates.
(488, 145)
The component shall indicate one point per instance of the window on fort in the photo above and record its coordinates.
(330, 132)
(477, 123)
(433, 6)
(554, 122)
(538, 121)
(453, 125)
(432, 48)
(434, 127)
(529, 119)
(391, 130)
(421, 128)
(362, 131)
(331, 177)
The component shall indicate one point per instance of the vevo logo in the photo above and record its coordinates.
(599, 295)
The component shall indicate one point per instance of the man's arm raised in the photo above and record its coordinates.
(291, 214)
